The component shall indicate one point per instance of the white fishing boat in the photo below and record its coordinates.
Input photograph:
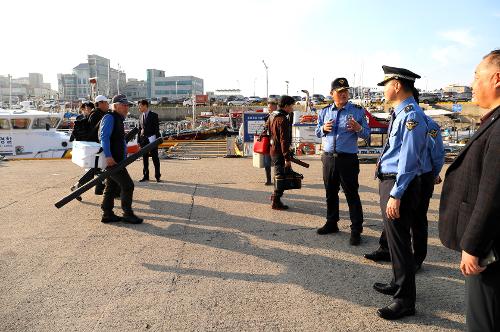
(31, 134)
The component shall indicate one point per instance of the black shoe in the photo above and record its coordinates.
(268, 183)
(79, 198)
(355, 239)
(328, 228)
(158, 180)
(99, 189)
(132, 219)
(387, 289)
(395, 310)
(279, 206)
(110, 218)
(144, 180)
(379, 255)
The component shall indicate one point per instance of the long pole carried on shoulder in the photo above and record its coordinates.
(108, 172)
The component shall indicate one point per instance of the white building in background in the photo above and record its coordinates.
(456, 88)
(135, 89)
(24, 88)
(76, 85)
(172, 87)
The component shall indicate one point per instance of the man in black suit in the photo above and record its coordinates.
(149, 130)
(469, 213)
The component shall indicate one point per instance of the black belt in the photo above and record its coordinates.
(387, 176)
(339, 154)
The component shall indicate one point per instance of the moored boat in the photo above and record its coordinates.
(32, 134)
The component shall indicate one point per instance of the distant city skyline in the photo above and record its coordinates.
(224, 42)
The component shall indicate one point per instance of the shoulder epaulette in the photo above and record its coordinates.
(409, 108)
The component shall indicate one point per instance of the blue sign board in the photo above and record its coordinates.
(456, 108)
(253, 123)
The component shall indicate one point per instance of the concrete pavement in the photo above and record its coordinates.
(211, 255)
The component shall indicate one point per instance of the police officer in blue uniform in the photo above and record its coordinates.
(399, 169)
(433, 164)
(340, 125)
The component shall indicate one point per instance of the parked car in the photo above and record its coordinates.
(188, 102)
(297, 98)
(254, 100)
(277, 97)
(318, 97)
(237, 102)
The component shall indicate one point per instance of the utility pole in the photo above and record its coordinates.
(254, 85)
(118, 80)
(267, 79)
(287, 87)
(10, 91)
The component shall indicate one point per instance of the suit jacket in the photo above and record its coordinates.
(469, 212)
(151, 127)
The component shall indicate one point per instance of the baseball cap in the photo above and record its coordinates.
(121, 99)
(100, 98)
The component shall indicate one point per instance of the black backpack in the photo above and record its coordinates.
(81, 129)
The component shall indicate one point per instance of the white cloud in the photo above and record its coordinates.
(459, 36)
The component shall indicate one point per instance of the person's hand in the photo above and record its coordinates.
(392, 208)
(327, 127)
(110, 162)
(352, 125)
(437, 180)
(470, 265)
(288, 164)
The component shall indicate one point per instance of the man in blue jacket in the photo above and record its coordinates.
(112, 137)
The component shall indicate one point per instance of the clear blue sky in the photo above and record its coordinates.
(225, 41)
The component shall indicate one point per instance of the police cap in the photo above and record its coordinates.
(394, 73)
(340, 84)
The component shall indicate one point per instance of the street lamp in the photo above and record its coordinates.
(254, 85)
(176, 90)
(267, 79)
(287, 87)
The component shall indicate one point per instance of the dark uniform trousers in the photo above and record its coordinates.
(483, 298)
(156, 163)
(419, 228)
(278, 163)
(119, 180)
(399, 238)
(342, 170)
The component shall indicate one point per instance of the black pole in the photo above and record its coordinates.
(128, 137)
(108, 172)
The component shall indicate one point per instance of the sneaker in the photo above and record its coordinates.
(132, 219)
(328, 228)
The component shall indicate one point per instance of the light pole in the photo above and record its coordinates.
(287, 87)
(10, 91)
(254, 85)
(176, 90)
(267, 79)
